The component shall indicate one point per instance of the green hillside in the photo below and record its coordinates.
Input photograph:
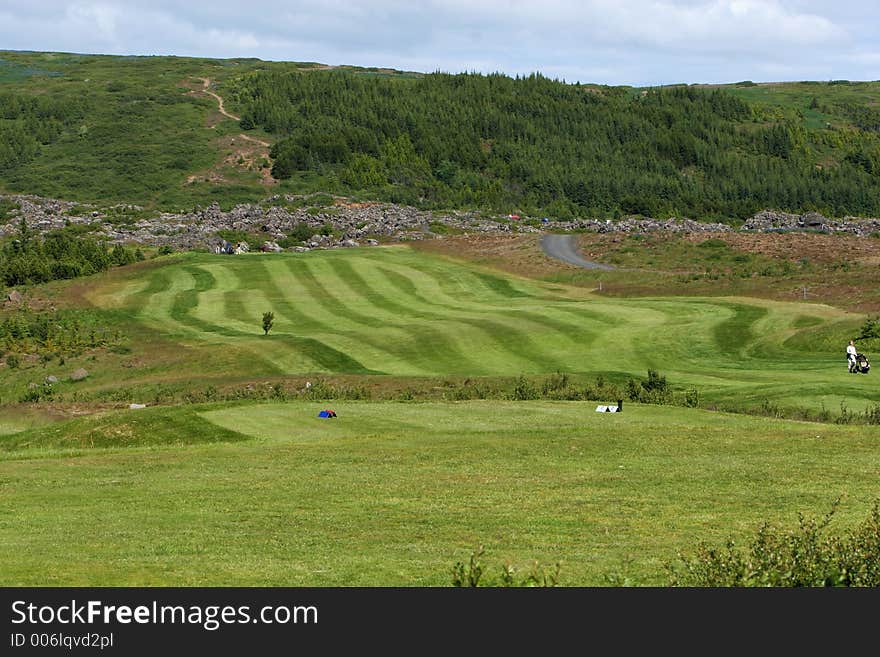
(392, 313)
(146, 130)
(206, 486)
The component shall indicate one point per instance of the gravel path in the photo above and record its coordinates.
(564, 247)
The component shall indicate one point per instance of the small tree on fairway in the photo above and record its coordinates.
(268, 320)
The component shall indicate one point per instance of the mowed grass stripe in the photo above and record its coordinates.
(169, 303)
(531, 331)
(733, 335)
(399, 312)
(452, 286)
(510, 336)
(288, 351)
(425, 285)
(420, 345)
(544, 322)
(382, 347)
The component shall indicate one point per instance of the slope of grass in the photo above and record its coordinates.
(395, 493)
(151, 427)
(397, 312)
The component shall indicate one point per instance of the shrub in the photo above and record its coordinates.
(268, 321)
(555, 383)
(804, 556)
(37, 393)
(604, 390)
(301, 232)
(13, 361)
(473, 575)
(655, 390)
(523, 390)
(870, 329)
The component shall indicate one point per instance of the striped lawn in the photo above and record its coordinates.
(399, 312)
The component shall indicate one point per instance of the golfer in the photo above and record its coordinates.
(850, 355)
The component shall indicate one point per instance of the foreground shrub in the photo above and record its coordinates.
(472, 574)
(805, 556)
(523, 390)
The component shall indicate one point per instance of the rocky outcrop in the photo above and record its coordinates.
(274, 217)
(771, 221)
(640, 225)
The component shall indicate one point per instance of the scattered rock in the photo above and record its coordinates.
(14, 296)
(78, 374)
(270, 247)
(33, 386)
(51, 379)
(362, 223)
(136, 406)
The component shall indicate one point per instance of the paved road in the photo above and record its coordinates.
(564, 247)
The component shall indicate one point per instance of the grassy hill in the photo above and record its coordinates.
(235, 491)
(147, 130)
(393, 312)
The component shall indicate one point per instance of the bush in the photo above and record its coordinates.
(302, 232)
(653, 391)
(472, 574)
(37, 393)
(603, 390)
(870, 329)
(523, 390)
(805, 556)
(13, 361)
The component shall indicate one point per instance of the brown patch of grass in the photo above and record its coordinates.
(517, 254)
(838, 270)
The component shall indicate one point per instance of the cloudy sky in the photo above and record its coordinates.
(638, 42)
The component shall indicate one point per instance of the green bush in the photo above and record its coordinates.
(38, 393)
(60, 254)
(473, 574)
(302, 232)
(655, 390)
(805, 556)
(870, 329)
(523, 390)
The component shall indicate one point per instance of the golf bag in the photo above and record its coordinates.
(859, 364)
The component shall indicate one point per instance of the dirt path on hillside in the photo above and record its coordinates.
(206, 88)
(265, 173)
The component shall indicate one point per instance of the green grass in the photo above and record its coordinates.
(396, 312)
(796, 100)
(395, 493)
(151, 427)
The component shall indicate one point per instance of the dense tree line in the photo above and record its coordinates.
(28, 258)
(543, 146)
(27, 122)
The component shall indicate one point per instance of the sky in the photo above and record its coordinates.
(627, 42)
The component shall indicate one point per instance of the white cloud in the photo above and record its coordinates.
(617, 42)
